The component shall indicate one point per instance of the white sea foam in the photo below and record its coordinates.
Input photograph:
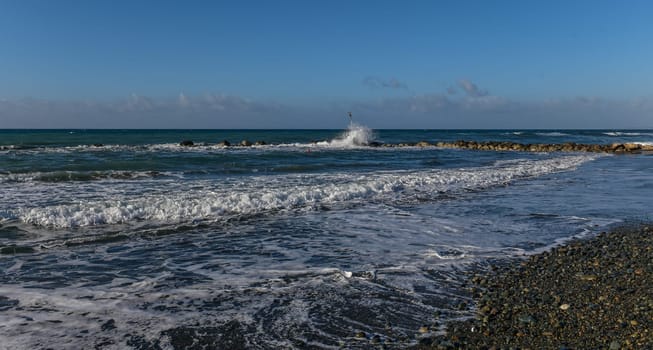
(71, 302)
(60, 176)
(623, 133)
(211, 201)
(554, 133)
(356, 135)
(144, 148)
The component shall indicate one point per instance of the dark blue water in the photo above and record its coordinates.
(125, 239)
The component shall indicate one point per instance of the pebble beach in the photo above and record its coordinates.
(594, 293)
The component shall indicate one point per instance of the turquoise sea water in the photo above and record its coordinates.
(126, 239)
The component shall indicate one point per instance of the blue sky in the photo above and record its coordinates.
(304, 64)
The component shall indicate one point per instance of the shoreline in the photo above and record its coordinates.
(588, 293)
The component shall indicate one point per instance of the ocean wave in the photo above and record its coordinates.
(553, 133)
(346, 143)
(258, 195)
(68, 176)
(623, 133)
(354, 136)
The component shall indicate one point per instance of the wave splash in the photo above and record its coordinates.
(356, 135)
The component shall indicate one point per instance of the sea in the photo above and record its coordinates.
(311, 239)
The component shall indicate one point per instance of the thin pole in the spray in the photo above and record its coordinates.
(351, 121)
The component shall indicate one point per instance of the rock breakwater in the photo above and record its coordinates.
(483, 146)
(559, 147)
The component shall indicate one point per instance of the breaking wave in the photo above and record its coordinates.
(623, 133)
(66, 176)
(554, 133)
(224, 200)
(356, 135)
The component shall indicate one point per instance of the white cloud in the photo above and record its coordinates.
(471, 89)
(419, 111)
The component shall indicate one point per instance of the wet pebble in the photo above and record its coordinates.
(591, 293)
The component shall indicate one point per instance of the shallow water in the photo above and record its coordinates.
(138, 242)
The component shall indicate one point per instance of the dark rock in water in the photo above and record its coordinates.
(422, 144)
(618, 147)
(98, 145)
(245, 143)
(259, 143)
(375, 144)
(224, 143)
(186, 143)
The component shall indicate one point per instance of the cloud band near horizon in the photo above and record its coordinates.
(477, 108)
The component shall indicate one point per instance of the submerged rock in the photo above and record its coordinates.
(186, 143)
(245, 143)
(224, 143)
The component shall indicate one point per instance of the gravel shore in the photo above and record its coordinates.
(595, 293)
